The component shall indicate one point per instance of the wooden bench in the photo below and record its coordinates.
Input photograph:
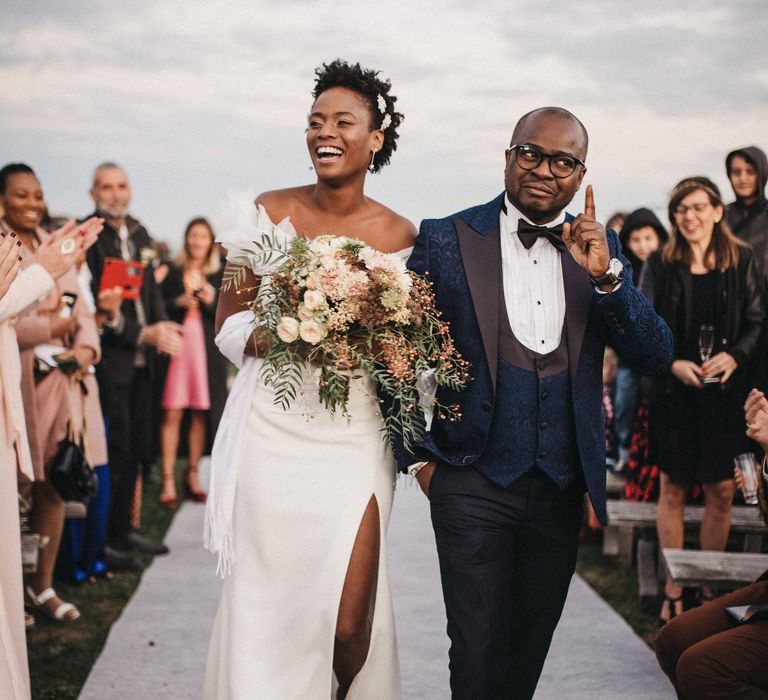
(625, 517)
(690, 567)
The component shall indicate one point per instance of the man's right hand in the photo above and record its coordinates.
(109, 301)
(424, 477)
(166, 336)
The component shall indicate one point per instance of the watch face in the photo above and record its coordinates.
(615, 268)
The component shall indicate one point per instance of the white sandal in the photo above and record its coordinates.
(62, 612)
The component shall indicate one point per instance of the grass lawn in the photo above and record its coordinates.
(61, 654)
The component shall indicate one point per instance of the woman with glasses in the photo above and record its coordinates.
(706, 286)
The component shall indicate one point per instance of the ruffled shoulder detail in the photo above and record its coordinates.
(404, 254)
(243, 223)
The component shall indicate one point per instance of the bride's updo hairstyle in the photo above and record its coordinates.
(375, 90)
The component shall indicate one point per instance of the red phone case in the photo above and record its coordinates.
(127, 274)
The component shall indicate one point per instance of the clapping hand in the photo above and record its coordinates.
(166, 336)
(586, 240)
(56, 254)
(10, 262)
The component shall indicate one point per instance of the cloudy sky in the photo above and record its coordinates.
(196, 99)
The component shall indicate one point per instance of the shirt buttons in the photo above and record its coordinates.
(542, 364)
(543, 425)
(542, 453)
(544, 395)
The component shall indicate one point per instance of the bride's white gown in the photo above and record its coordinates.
(303, 481)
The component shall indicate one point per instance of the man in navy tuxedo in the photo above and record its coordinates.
(532, 295)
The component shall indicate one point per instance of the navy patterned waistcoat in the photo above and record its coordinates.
(533, 421)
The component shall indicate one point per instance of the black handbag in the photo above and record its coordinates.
(70, 472)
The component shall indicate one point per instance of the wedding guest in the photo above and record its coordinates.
(196, 379)
(82, 554)
(53, 402)
(14, 673)
(704, 281)
(747, 216)
(747, 170)
(705, 652)
(17, 294)
(641, 234)
(128, 371)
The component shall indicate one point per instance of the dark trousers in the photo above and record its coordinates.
(506, 561)
(129, 411)
(706, 654)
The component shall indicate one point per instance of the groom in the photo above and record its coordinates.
(532, 295)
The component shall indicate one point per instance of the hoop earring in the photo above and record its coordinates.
(373, 155)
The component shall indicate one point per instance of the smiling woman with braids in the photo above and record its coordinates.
(299, 508)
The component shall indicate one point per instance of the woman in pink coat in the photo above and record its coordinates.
(54, 399)
(16, 295)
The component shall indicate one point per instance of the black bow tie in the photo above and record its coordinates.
(528, 234)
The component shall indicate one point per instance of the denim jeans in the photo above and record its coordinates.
(625, 407)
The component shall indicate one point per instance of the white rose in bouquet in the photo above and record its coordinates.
(311, 332)
(304, 313)
(288, 329)
(313, 299)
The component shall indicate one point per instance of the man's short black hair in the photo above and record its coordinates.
(367, 83)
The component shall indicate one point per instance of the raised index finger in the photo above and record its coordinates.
(589, 203)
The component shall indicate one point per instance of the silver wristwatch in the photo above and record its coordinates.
(613, 275)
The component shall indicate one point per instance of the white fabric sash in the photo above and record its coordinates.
(243, 224)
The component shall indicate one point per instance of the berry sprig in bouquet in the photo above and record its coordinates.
(338, 304)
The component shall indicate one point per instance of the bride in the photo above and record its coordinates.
(300, 501)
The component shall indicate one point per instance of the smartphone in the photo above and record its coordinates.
(127, 274)
(68, 299)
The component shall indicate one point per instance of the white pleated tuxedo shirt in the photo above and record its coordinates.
(533, 284)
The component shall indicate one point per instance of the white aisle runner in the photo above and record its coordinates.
(157, 647)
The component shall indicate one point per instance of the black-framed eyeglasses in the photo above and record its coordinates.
(560, 164)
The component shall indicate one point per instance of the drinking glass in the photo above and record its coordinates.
(706, 345)
(747, 465)
(706, 341)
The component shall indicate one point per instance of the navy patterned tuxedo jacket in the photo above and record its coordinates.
(461, 256)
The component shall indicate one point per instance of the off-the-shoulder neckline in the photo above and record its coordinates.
(287, 224)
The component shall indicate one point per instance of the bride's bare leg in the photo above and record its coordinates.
(353, 626)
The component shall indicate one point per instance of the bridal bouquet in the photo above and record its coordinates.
(337, 303)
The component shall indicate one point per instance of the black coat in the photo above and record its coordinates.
(750, 221)
(118, 349)
(739, 311)
(172, 288)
